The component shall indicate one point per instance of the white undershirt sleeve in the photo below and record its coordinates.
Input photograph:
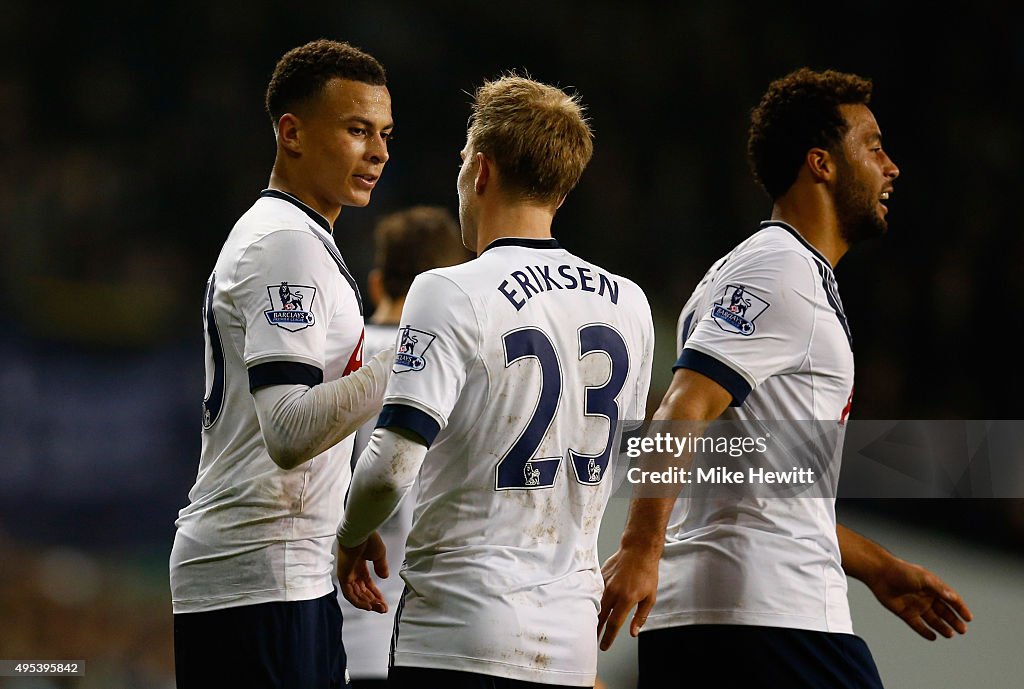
(383, 475)
(300, 422)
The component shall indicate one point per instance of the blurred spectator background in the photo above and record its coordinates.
(133, 135)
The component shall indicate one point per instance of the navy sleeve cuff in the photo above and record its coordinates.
(284, 373)
(410, 419)
(735, 384)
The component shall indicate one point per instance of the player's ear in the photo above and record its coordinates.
(821, 165)
(288, 130)
(375, 285)
(484, 169)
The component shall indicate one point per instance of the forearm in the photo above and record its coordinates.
(691, 403)
(862, 558)
(644, 531)
(300, 422)
(384, 473)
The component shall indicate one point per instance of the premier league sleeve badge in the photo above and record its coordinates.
(737, 310)
(412, 345)
(291, 306)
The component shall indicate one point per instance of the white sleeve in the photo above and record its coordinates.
(759, 324)
(300, 422)
(437, 344)
(286, 292)
(383, 475)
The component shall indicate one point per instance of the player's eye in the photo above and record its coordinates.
(389, 137)
(356, 131)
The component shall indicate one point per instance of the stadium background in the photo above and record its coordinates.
(133, 136)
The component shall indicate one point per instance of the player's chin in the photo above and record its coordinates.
(358, 199)
(872, 230)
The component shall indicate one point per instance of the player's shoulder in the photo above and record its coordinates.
(271, 215)
(440, 290)
(473, 278)
(281, 229)
(449, 278)
(273, 242)
(774, 247)
(627, 287)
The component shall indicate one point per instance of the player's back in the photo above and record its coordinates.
(538, 354)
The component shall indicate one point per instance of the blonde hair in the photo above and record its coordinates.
(536, 134)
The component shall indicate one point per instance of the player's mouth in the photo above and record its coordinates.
(884, 196)
(366, 181)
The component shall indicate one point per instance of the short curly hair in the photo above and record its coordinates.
(798, 112)
(537, 135)
(302, 72)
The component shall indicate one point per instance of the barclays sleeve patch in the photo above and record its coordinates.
(412, 346)
(737, 310)
(290, 306)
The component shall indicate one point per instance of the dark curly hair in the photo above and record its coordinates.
(302, 72)
(798, 112)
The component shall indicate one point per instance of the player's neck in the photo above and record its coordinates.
(388, 311)
(513, 220)
(291, 182)
(816, 221)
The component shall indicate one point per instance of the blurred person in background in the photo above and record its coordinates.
(761, 580)
(251, 566)
(406, 243)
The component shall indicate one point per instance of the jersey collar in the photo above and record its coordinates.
(297, 202)
(524, 242)
(799, 237)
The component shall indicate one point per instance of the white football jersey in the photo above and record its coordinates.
(280, 308)
(514, 368)
(367, 635)
(767, 324)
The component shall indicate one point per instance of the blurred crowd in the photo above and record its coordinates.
(64, 604)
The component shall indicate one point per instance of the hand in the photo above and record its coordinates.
(922, 600)
(382, 364)
(354, 576)
(630, 578)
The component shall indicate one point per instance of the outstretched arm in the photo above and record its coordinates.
(384, 473)
(299, 422)
(918, 597)
(631, 574)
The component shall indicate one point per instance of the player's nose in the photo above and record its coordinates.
(377, 152)
(889, 169)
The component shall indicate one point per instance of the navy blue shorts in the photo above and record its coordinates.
(747, 656)
(369, 683)
(420, 677)
(295, 645)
